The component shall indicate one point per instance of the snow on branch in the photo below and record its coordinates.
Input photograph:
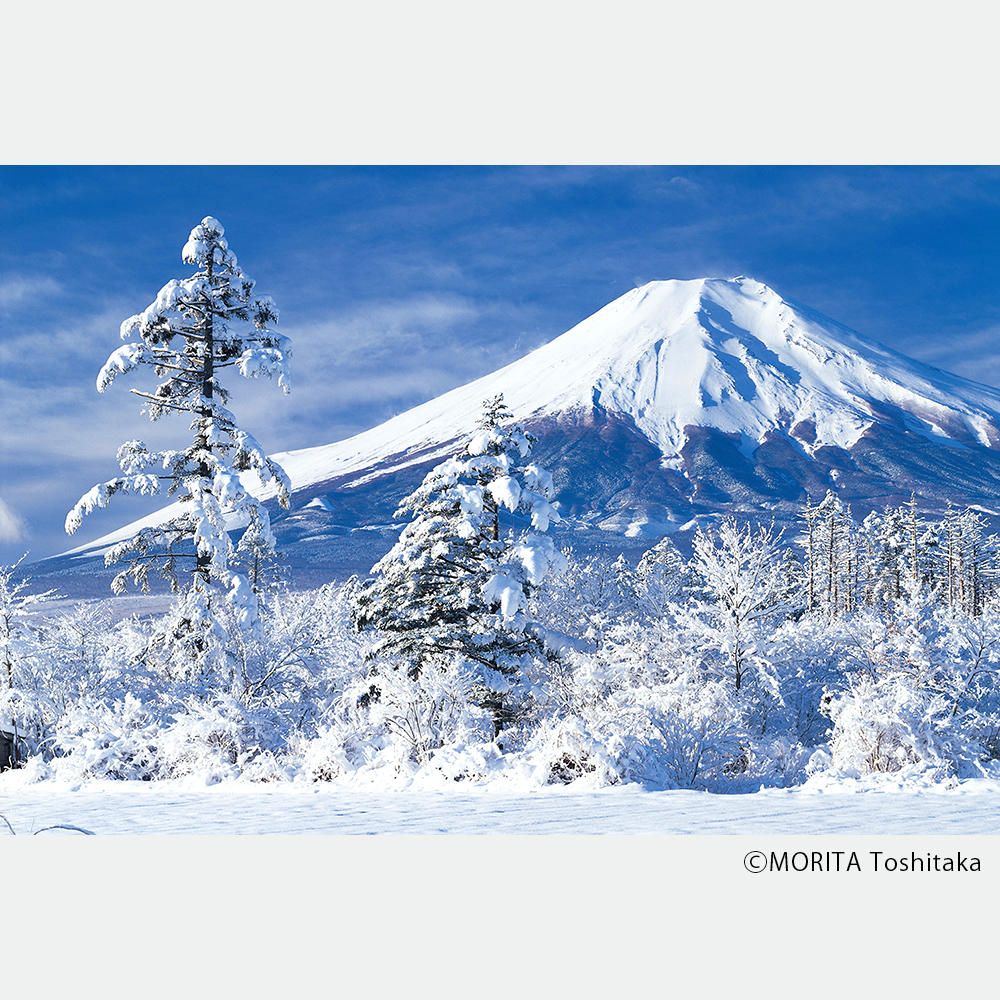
(100, 495)
(122, 360)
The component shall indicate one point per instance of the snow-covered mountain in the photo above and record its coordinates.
(679, 400)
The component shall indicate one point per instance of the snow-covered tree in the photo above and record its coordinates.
(834, 561)
(197, 328)
(20, 649)
(659, 576)
(900, 709)
(887, 535)
(976, 560)
(596, 593)
(17, 605)
(256, 554)
(742, 578)
(795, 581)
(583, 599)
(457, 587)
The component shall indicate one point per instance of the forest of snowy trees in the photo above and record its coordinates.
(477, 650)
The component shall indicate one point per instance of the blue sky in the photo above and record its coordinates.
(397, 284)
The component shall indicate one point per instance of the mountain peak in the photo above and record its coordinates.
(706, 284)
(728, 354)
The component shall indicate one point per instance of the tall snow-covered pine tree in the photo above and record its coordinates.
(197, 328)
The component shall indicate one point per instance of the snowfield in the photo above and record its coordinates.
(243, 808)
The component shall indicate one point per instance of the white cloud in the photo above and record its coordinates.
(12, 527)
(387, 324)
(974, 355)
(16, 289)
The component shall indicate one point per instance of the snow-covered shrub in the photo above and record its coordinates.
(126, 740)
(912, 704)
(660, 699)
(304, 644)
(691, 731)
(67, 658)
(335, 750)
(24, 703)
(421, 715)
(108, 699)
(215, 740)
(642, 708)
(888, 724)
(972, 644)
(808, 657)
(391, 721)
(121, 740)
(565, 750)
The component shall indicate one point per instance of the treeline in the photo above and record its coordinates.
(850, 564)
(711, 671)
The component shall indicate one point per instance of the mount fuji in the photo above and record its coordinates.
(676, 403)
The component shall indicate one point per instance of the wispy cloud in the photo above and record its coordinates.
(360, 365)
(390, 321)
(19, 289)
(974, 355)
(12, 526)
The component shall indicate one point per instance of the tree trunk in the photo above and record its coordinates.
(961, 569)
(951, 572)
(812, 563)
(830, 598)
(203, 570)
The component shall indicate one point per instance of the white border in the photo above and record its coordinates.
(555, 82)
(547, 81)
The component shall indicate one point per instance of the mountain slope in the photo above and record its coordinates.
(681, 400)
(713, 353)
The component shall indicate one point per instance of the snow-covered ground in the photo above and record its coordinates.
(176, 807)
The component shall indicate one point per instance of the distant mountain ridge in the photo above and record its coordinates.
(677, 402)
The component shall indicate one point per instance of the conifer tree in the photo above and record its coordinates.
(793, 582)
(888, 535)
(454, 590)
(197, 328)
(832, 576)
(660, 575)
(809, 515)
(976, 560)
